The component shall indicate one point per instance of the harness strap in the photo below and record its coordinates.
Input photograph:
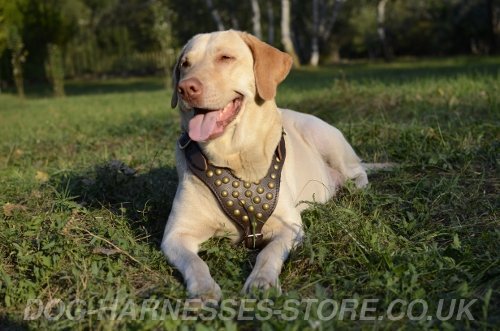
(247, 204)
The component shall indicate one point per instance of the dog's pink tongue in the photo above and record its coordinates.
(211, 124)
(202, 126)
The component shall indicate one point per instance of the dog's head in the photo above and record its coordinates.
(218, 74)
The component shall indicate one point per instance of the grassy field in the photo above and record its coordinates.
(87, 181)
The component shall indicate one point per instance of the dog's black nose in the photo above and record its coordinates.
(190, 89)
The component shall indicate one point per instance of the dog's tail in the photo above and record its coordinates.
(376, 167)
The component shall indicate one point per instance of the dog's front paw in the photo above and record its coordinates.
(261, 283)
(206, 291)
(361, 180)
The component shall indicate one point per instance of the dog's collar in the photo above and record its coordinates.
(248, 204)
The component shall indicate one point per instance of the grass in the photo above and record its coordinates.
(87, 181)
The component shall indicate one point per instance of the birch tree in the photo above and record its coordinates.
(215, 15)
(257, 28)
(18, 57)
(232, 9)
(322, 25)
(381, 6)
(270, 22)
(314, 61)
(286, 36)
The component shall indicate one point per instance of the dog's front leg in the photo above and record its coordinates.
(181, 249)
(267, 269)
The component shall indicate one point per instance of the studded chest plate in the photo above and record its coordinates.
(248, 204)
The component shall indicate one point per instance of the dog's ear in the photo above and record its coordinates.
(271, 66)
(176, 75)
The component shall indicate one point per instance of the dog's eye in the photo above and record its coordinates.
(185, 63)
(226, 58)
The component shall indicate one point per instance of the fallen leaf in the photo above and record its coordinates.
(18, 152)
(41, 176)
(452, 102)
(10, 208)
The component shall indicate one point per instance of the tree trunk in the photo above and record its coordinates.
(314, 60)
(18, 57)
(215, 15)
(494, 16)
(233, 10)
(54, 69)
(257, 28)
(322, 26)
(381, 29)
(327, 27)
(17, 71)
(286, 37)
(270, 22)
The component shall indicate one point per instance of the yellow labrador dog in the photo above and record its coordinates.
(237, 138)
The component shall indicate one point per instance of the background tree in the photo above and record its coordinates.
(270, 21)
(215, 15)
(257, 28)
(163, 33)
(386, 49)
(324, 16)
(11, 20)
(18, 57)
(286, 34)
(55, 69)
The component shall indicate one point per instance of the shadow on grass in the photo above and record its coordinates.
(95, 87)
(129, 85)
(7, 324)
(144, 199)
(389, 74)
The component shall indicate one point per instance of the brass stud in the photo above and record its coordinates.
(236, 194)
(245, 218)
(270, 184)
(257, 182)
(260, 190)
(218, 172)
(218, 182)
(273, 176)
(265, 206)
(229, 203)
(236, 184)
(236, 212)
(251, 209)
(269, 196)
(258, 215)
(225, 180)
(210, 173)
(276, 167)
(242, 202)
(224, 193)
(256, 200)
(247, 184)
(248, 193)
(277, 159)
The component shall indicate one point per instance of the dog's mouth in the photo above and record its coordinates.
(208, 124)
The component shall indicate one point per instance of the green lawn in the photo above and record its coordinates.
(87, 181)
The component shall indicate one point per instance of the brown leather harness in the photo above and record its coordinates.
(247, 204)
